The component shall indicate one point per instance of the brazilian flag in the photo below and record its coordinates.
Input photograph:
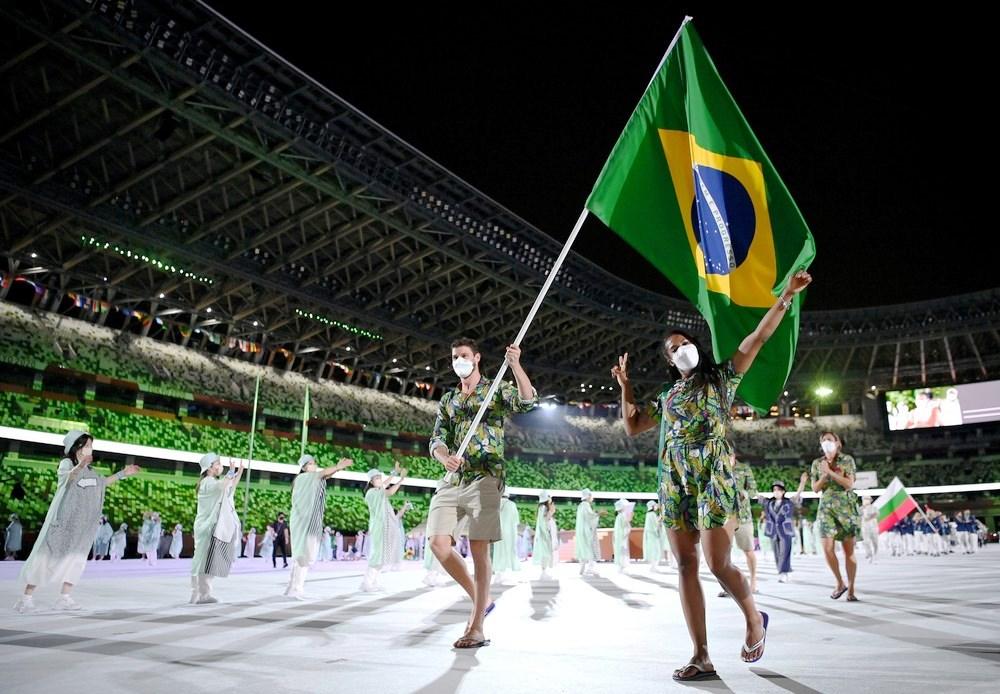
(690, 188)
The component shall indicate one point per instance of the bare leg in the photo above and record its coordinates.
(831, 560)
(850, 563)
(452, 562)
(718, 546)
(481, 562)
(684, 544)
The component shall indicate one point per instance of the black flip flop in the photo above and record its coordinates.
(837, 593)
(701, 674)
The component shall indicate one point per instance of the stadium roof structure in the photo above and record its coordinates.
(154, 157)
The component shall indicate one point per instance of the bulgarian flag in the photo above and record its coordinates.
(894, 505)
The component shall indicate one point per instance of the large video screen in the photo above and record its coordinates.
(943, 406)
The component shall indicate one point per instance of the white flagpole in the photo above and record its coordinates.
(450, 477)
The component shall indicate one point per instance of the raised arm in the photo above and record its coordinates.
(127, 471)
(395, 487)
(752, 343)
(634, 418)
(342, 464)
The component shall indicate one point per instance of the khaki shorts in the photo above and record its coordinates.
(744, 537)
(477, 503)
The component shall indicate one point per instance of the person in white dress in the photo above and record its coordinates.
(102, 540)
(177, 541)
(306, 521)
(118, 540)
(250, 546)
(60, 552)
(216, 527)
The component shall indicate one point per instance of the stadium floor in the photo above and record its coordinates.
(923, 624)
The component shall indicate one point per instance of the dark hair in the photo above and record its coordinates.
(77, 445)
(707, 371)
(466, 342)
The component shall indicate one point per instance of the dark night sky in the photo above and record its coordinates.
(874, 124)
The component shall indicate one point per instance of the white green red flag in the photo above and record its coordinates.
(894, 505)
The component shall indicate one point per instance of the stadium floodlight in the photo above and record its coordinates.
(824, 391)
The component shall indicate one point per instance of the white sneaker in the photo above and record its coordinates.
(783, 578)
(25, 603)
(368, 587)
(207, 600)
(66, 602)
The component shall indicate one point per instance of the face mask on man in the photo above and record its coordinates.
(463, 367)
(686, 357)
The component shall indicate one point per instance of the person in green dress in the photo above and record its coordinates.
(382, 525)
(653, 537)
(838, 517)
(504, 552)
(545, 543)
(698, 485)
(622, 534)
(306, 521)
(216, 526)
(587, 549)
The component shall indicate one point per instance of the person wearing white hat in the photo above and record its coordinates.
(326, 545)
(267, 544)
(382, 525)
(653, 536)
(587, 549)
(504, 552)
(622, 532)
(216, 527)
(177, 541)
(305, 523)
(118, 540)
(545, 543)
(338, 545)
(250, 545)
(67, 535)
(149, 535)
(102, 539)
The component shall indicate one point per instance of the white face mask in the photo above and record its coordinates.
(829, 447)
(686, 357)
(463, 367)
